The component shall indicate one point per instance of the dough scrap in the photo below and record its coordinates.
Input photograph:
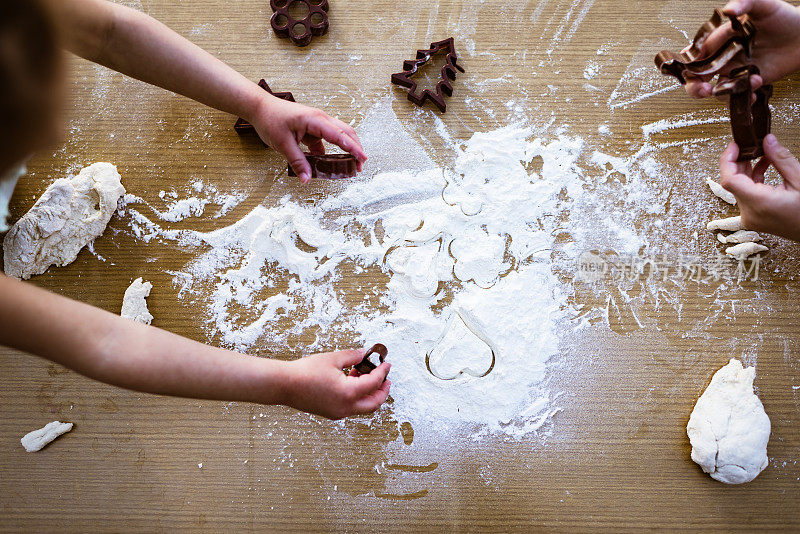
(728, 428)
(38, 439)
(134, 305)
(69, 215)
(745, 250)
(721, 192)
(742, 236)
(731, 224)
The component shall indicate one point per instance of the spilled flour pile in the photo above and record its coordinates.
(470, 309)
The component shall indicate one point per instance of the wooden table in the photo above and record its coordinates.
(617, 456)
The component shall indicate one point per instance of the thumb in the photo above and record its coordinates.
(297, 160)
(738, 7)
(783, 160)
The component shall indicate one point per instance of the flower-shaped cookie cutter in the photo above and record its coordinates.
(443, 87)
(243, 127)
(330, 166)
(314, 24)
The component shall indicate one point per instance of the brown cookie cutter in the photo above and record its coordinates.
(366, 366)
(330, 166)
(314, 24)
(690, 59)
(443, 87)
(750, 115)
(751, 118)
(243, 127)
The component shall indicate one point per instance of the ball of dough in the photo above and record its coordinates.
(728, 428)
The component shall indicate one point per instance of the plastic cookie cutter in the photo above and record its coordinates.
(691, 61)
(330, 166)
(366, 366)
(751, 118)
(314, 24)
(750, 115)
(443, 87)
(243, 127)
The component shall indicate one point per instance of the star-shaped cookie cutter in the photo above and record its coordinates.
(243, 127)
(443, 86)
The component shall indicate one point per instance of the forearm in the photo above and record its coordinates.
(139, 46)
(124, 353)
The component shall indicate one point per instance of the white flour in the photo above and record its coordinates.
(471, 306)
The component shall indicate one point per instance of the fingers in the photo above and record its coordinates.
(297, 160)
(314, 144)
(783, 160)
(326, 128)
(737, 7)
(347, 358)
(734, 176)
(754, 8)
(373, 401)
(698, 88)
(367, 384)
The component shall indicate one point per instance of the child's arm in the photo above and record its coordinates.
(767, 208)
(139, 46)
(776, 48)
(106, 347)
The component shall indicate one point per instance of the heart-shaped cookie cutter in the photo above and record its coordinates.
(314, 24)
(365, 366)
(472, 325)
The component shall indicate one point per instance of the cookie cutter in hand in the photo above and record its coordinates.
(443, 87)
(243, 127)
(315, 23)
(330, 166)
(366, 366)
(751, 118)
(690, 60)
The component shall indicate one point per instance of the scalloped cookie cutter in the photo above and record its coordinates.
(314, 24)
(751, 118)
(443, 87)
(330, 166)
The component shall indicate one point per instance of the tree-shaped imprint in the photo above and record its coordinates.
(443, 87)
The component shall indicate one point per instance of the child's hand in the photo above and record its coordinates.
(776, 47)
(767, 208)
(317, 385)
(284, 125)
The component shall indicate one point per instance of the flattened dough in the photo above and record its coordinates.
(721, 192)
(134, 305)
(745, 250)
(728, 428)
(742, 236)
(70, 214)
(38, 439)
(731, 224)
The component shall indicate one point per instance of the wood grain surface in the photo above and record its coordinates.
(616, 456)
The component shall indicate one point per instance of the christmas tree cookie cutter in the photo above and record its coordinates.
(243, 127)
(751, 118)
(330, 166)
(443, 87)
(314, 24)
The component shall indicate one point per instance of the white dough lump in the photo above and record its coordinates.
(728, 428)
(70, 214)
(38, 439)
(721, 192)
(134, 305)
(731, 224)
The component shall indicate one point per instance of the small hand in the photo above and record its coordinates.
(776, 46)
(766, 208)
(284, 125)
(317, 385)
